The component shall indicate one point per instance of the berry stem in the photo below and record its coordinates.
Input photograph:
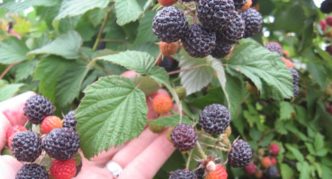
(7, 70)
(189, 159)
(201, 151)
(216, 147)
(101, 29)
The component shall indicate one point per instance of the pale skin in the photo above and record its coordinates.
(141, 158)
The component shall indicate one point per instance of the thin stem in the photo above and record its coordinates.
(201, 151)
(101, 30)
(3, 74)
(189, 159)
(160, 55)
(216, 147)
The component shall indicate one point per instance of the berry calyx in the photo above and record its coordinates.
(168, 49)
(162, 103)
(250, 169)
(63, 169)
(50, 123)
(184, 137)
(274, 149)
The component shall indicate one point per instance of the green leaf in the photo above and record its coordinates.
(286, 171)
(286, 110)
(169, 121)
(69, 85)
(127, 11)
(48, 72)
(20, 6)
(66, 45)
(24, 70)
(198, 73)
(144, 32)
(140, 62)
(304, 169)
(112, 112)
(263, 68)
(12, 51)
(296, 152)
(9, 90)
(78, 7)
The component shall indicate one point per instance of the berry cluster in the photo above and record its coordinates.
(217, 25)
(214, 120)
(57, 138)
(277, 48)
(265, 165)
(326, 30)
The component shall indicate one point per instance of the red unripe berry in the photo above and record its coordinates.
(49, 123)
(250, 169)
(274, 149)
(329, 20)
(266, 162)
(274, 161)
(323, 25)
(215, 171)
(65, 169)
(287, 62)
(166, 2)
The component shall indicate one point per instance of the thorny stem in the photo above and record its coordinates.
(3, 74)
(201, 151)
(101, 30)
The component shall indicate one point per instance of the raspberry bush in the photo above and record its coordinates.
(243, 86)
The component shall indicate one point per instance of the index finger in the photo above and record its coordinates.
(13, 108)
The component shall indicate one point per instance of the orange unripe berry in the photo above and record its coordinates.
(162, 103)
(266, 162)
(247, 5)
(287, 62)
(168, 49)
(50, 123)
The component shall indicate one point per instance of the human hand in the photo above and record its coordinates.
(140, 158)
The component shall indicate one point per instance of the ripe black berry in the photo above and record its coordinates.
(169, 64)
(239, 3)
(182, 174)
(37, 108)
(222, 48)
(214, 119)
(69, 121)
(253, 22)
(184, 137)
(240, 154)
(169, 24)
(215, 14)
(274, 47)
(32, 171)
(326, 6)
(61, 143)
(272, 173)
(296, 80)
(234, 31)
(26, 146)
(199, 42)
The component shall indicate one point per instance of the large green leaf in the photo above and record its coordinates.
(140, 62)
(127, 11)
(263, 68)
(78, 7)
(112, 112)
(66, 45)
(196, 73)
(12, 50)
(9, 90)
(144, 31)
